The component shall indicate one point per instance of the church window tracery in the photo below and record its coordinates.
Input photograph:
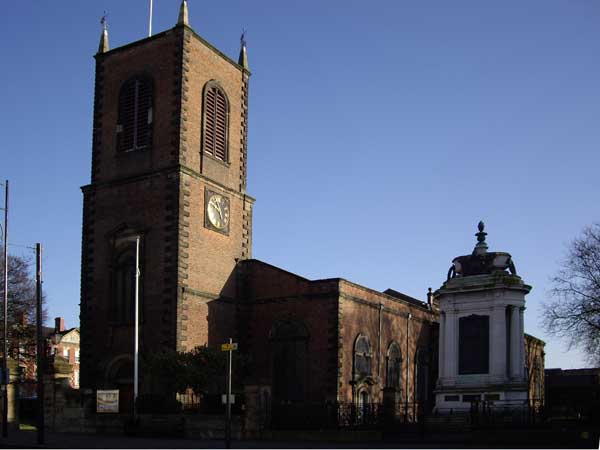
(394, 366)
(362, 357)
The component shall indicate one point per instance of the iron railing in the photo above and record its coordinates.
(505, 413)
(343, 415)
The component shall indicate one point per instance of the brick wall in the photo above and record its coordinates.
(159, 193)
(272, 295)
(360, 311)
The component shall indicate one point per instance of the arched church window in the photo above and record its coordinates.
(537, 374)
(290, 347)
(216, 122)
(124, 286)
(362, 357)
(394, 366)
(134, 125)
(421, 375)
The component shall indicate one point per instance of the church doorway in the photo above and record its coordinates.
(289, 353)
(119, 375)
(290, 347)
(364, 406)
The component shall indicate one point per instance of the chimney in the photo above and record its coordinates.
(59, 324)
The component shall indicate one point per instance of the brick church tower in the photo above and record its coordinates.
(168, 165)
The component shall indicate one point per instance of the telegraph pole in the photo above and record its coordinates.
(40, 343)
(5, 377)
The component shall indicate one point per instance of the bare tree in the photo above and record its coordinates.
(574, 314)
(21, 308)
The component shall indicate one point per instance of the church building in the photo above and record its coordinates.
(168, 189)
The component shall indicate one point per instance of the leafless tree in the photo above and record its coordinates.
(21, 307)
(574, 312)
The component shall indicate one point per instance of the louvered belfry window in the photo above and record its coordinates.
(215, 122)
(135, 115)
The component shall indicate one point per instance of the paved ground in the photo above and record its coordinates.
(28, 439)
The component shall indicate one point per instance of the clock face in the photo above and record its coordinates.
(218, 211)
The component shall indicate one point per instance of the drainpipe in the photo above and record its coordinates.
(408, 317)
(379, 343)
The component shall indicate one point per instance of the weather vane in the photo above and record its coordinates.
(243, 38)
(103, 21)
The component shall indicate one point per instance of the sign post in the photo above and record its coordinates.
(229, 348)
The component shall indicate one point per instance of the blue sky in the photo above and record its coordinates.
(380, 132)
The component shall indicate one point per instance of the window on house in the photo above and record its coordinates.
(65, 352)
(394, 366)
(362, 357)
(216, 121)
(135, 115)
(76, 356)
(76, 377)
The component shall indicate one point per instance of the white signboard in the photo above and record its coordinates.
(107, 401)
(224, 399)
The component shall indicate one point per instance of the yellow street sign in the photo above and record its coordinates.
(229, 347)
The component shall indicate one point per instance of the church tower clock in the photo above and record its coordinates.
(168, 168)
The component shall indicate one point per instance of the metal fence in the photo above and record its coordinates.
(343, 415)
(504, 413)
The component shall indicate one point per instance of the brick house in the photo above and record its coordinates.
(64, 343)
(169, 157)
(59, 341)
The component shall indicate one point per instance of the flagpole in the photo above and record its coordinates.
(150, 21)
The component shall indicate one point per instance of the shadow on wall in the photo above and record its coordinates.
(222, 313)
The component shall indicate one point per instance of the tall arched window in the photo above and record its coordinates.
(362, 357)
(135, 115)
(216, 122)
(421, 375)
(394, 367)
(124, 286)
(290, 358)
(537, 374)
(123, 283)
